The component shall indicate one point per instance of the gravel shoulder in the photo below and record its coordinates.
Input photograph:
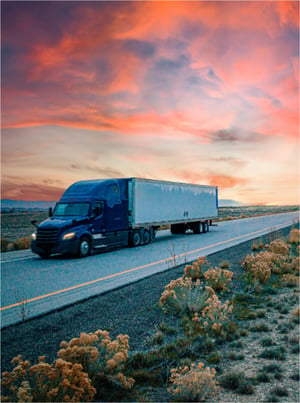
(130, 310)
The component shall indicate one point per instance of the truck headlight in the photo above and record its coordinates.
(33, 236)
(69, 235)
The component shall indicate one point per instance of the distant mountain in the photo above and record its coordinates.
(7, 204)
(230, 203)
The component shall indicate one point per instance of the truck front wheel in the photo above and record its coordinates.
(84, 247)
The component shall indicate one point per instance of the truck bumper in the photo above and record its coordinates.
(64, 247)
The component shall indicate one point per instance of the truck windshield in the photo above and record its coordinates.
(71, 209)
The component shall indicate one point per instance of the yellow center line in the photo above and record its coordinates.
(137, 268)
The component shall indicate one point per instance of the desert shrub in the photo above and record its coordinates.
(275, 353)
(296, 314)
(267, 342)
(4, 244)
(22, 243)
(59, 382)
(278, 246)
(194, 383)
(234, 356)
(218, 279)
(294, 237)
(214, 319)
(183, 296)
(164, 328)
(279, 391)
(260, 327)
(295, 376)
(289, 280)
(214, 358)
(259, 266)
(195, 271)
(224, 265)
(237, 381)
(99, 356)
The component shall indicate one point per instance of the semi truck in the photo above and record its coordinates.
(98, 214)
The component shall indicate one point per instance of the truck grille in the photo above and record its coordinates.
(47, 237)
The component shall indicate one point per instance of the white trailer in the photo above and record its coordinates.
(154, 203)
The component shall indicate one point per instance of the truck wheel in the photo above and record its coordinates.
(205, 227)
(146, 237)
(84, 247)
(197, 227)
(136, 238)
(44, 255)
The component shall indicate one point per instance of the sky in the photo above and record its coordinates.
(204, 92)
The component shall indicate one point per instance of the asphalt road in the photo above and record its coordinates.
(31, 286)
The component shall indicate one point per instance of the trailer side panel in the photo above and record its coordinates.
(158, 202)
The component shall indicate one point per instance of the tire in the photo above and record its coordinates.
(197, 227)
(136, 238)
(84, 248)
(44, 255)
(146, 237)
(205, 227)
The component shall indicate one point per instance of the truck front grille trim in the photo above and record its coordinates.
(47, 237)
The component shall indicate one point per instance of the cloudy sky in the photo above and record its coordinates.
(203, 92)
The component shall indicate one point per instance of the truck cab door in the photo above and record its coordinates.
(98, 225)
(114, 211)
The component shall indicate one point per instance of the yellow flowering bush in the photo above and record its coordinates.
(22, 243)
(196, 270)
(213, 319)
(278, 246)
(61, 381)
(294, 237)
(99, 356)
(193, 384)
(183, 296)
(217, 278)
(290, 280)
(259, 267)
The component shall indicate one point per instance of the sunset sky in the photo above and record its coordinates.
(205, 92)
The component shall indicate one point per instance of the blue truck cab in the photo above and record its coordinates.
(91, 214)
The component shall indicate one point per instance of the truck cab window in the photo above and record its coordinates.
(98, 209)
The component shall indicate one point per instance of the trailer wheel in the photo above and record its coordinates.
(136, 238)
(146, 237)
(205, 227)
(197, 227)
(84, 248)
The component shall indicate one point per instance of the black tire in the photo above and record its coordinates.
(205, 227)
(197, 228)
(84, 248)
(44, 255)
(146, 237)
(136, 239)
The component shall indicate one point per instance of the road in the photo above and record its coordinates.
(31, 286)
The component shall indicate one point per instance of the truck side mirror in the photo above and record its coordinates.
(50, 212)
(33, 222)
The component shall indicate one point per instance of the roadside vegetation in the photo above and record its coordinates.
(16, 227)
(233, 338)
